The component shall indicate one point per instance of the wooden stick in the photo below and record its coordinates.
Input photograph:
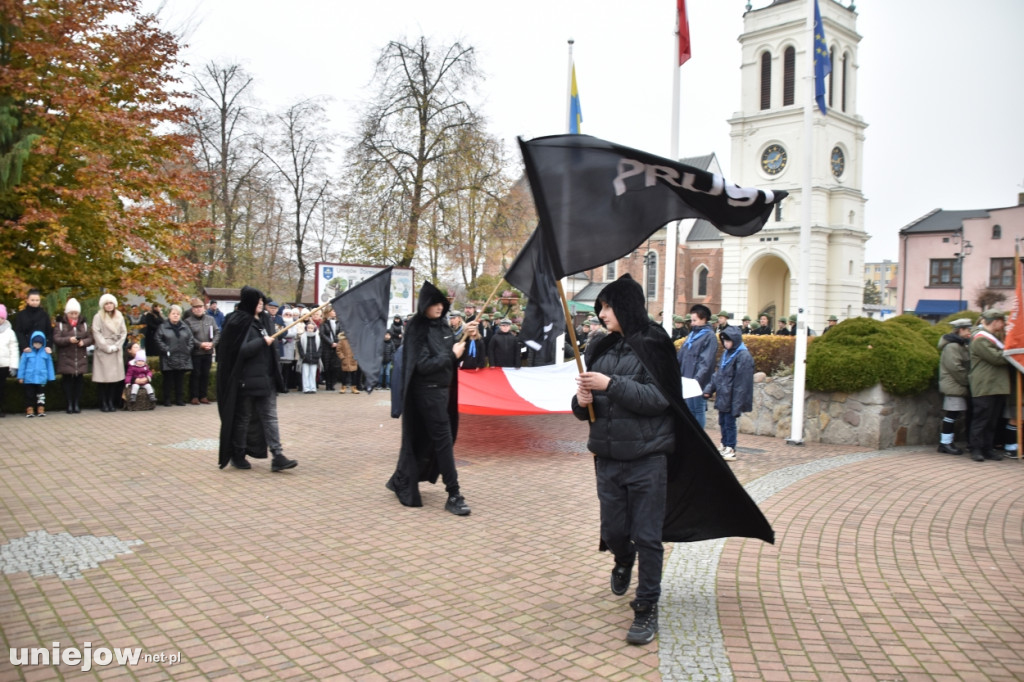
(284, 329)
(491, 297)
(572, 340)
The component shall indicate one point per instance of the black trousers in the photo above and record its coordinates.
(987, 411)
(332, 367)
(72, 385)
(4, 373)
(352, 379)
(264, 409)
(174, 384)
(199, 378)
(35, 395)
(632, 499)
(288, 375)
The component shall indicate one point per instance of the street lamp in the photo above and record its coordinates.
(965, 250)
(649, 259)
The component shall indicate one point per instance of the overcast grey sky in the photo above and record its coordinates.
(939, 81)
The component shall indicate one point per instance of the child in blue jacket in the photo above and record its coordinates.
(34, 370)
(733, 386)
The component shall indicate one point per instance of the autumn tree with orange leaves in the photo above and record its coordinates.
(99, 177)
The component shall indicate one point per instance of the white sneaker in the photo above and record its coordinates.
(728, 453)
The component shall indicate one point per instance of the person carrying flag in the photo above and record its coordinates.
(429, 404)
(659, 477)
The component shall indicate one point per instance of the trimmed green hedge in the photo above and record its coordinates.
(14, 398)
(860, 352)
(928, 331)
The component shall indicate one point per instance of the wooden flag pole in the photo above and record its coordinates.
(284, 329)
(491, 297)
(572, 340)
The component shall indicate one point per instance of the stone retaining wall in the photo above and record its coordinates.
(871, 417)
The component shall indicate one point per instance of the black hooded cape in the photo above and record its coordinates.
(416, 459)
(238, 326)
(704, 499)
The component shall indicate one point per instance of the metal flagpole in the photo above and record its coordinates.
(568, 92)
(796, 436)
(560, 339)
(668, 303)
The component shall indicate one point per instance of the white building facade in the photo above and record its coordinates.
(760, 273)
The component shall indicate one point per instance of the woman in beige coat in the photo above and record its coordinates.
(108, 333)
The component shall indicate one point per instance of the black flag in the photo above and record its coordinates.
(598, 201)
(531, 273)
(363, 316)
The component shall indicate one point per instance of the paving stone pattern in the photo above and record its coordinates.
(898, 566)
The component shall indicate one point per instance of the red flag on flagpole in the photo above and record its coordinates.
(684, 33)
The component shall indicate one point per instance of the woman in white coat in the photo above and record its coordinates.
(109, 332)
(10, 354)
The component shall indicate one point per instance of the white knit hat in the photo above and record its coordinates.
(72, 306)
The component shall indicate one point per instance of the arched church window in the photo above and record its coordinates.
(845, 79)
(701, 281)
(766, 80)
(831, 75)
(651, 260)
(851, 268)
(788, 75)
(997, 232)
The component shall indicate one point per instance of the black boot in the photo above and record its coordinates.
(950, 449)
(280, 463)
(645, 623)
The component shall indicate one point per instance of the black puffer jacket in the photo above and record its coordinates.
(175, 342)
(634, 418)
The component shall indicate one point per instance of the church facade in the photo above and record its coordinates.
(759, 274)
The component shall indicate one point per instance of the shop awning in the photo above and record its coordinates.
(939, 306)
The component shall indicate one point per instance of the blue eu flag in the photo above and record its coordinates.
(822, 62)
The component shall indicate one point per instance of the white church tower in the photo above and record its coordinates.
(760, 273)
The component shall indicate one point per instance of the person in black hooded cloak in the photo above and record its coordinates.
(429, 403)
(248, 380)
(659, 476)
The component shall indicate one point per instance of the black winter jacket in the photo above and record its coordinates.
(634, 419)
(175, 342)
(503, 350)
(258, 367)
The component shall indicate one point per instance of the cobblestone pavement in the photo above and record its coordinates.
(119, 530)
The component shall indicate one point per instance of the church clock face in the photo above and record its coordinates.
(773, 159)
(838, 162)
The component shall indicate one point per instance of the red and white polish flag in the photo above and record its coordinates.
(509, 391)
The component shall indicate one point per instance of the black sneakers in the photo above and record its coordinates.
(240, 463)
(280, 463)
(456, 504)
(620, 579)
(645, 623)
(950, 449)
